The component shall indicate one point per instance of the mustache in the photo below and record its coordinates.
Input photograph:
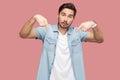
(65, 23)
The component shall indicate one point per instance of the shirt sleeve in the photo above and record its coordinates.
(83, 35)
(40, 31)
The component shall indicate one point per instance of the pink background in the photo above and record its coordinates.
(19, 58)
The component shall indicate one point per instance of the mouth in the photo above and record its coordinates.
(64, 23)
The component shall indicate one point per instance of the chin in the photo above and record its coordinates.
(64, 27)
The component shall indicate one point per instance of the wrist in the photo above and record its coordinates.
(32, 20)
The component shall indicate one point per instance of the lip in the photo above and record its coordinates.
(64, 23)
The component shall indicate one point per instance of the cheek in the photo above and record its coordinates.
(61, 19)
(70, 21)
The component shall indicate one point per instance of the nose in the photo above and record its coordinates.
(66, 18)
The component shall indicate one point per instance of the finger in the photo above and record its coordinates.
(83, 29)
(78, 28)
(38, 23)
(46, 24)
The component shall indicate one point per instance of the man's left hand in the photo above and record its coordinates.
(87, 25)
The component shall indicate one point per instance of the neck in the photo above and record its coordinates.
(62, 30)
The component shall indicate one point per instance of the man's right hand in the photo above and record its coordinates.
(42, 21)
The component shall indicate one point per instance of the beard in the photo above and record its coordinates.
(63, 25)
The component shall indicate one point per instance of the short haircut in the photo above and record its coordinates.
(69, 6)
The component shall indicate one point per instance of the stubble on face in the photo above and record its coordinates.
(65, 18)
(64, 24)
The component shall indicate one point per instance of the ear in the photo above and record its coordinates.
(58, 15)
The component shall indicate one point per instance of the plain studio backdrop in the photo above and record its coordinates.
(19, 58)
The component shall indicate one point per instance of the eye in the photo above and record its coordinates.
(63, 14)
(70, 16)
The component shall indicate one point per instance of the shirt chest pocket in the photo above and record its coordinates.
(76, 46)
(49, 44)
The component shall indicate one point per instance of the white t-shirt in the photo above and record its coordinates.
(62, 67)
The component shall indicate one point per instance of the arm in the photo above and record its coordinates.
(95, 35)
(28, 31)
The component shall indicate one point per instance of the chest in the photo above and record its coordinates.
(72, 41)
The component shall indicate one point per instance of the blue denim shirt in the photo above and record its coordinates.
(49, 38)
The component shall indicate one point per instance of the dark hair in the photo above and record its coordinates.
(69, 6)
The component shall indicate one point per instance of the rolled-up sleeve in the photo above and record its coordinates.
(40, 31)
(83, 35)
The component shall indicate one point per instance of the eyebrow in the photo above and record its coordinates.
(68, 15)
(71, 15)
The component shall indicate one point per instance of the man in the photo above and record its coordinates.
(62, 57)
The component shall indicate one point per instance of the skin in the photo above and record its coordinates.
(65, 19)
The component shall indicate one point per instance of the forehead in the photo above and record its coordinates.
(67, 11)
